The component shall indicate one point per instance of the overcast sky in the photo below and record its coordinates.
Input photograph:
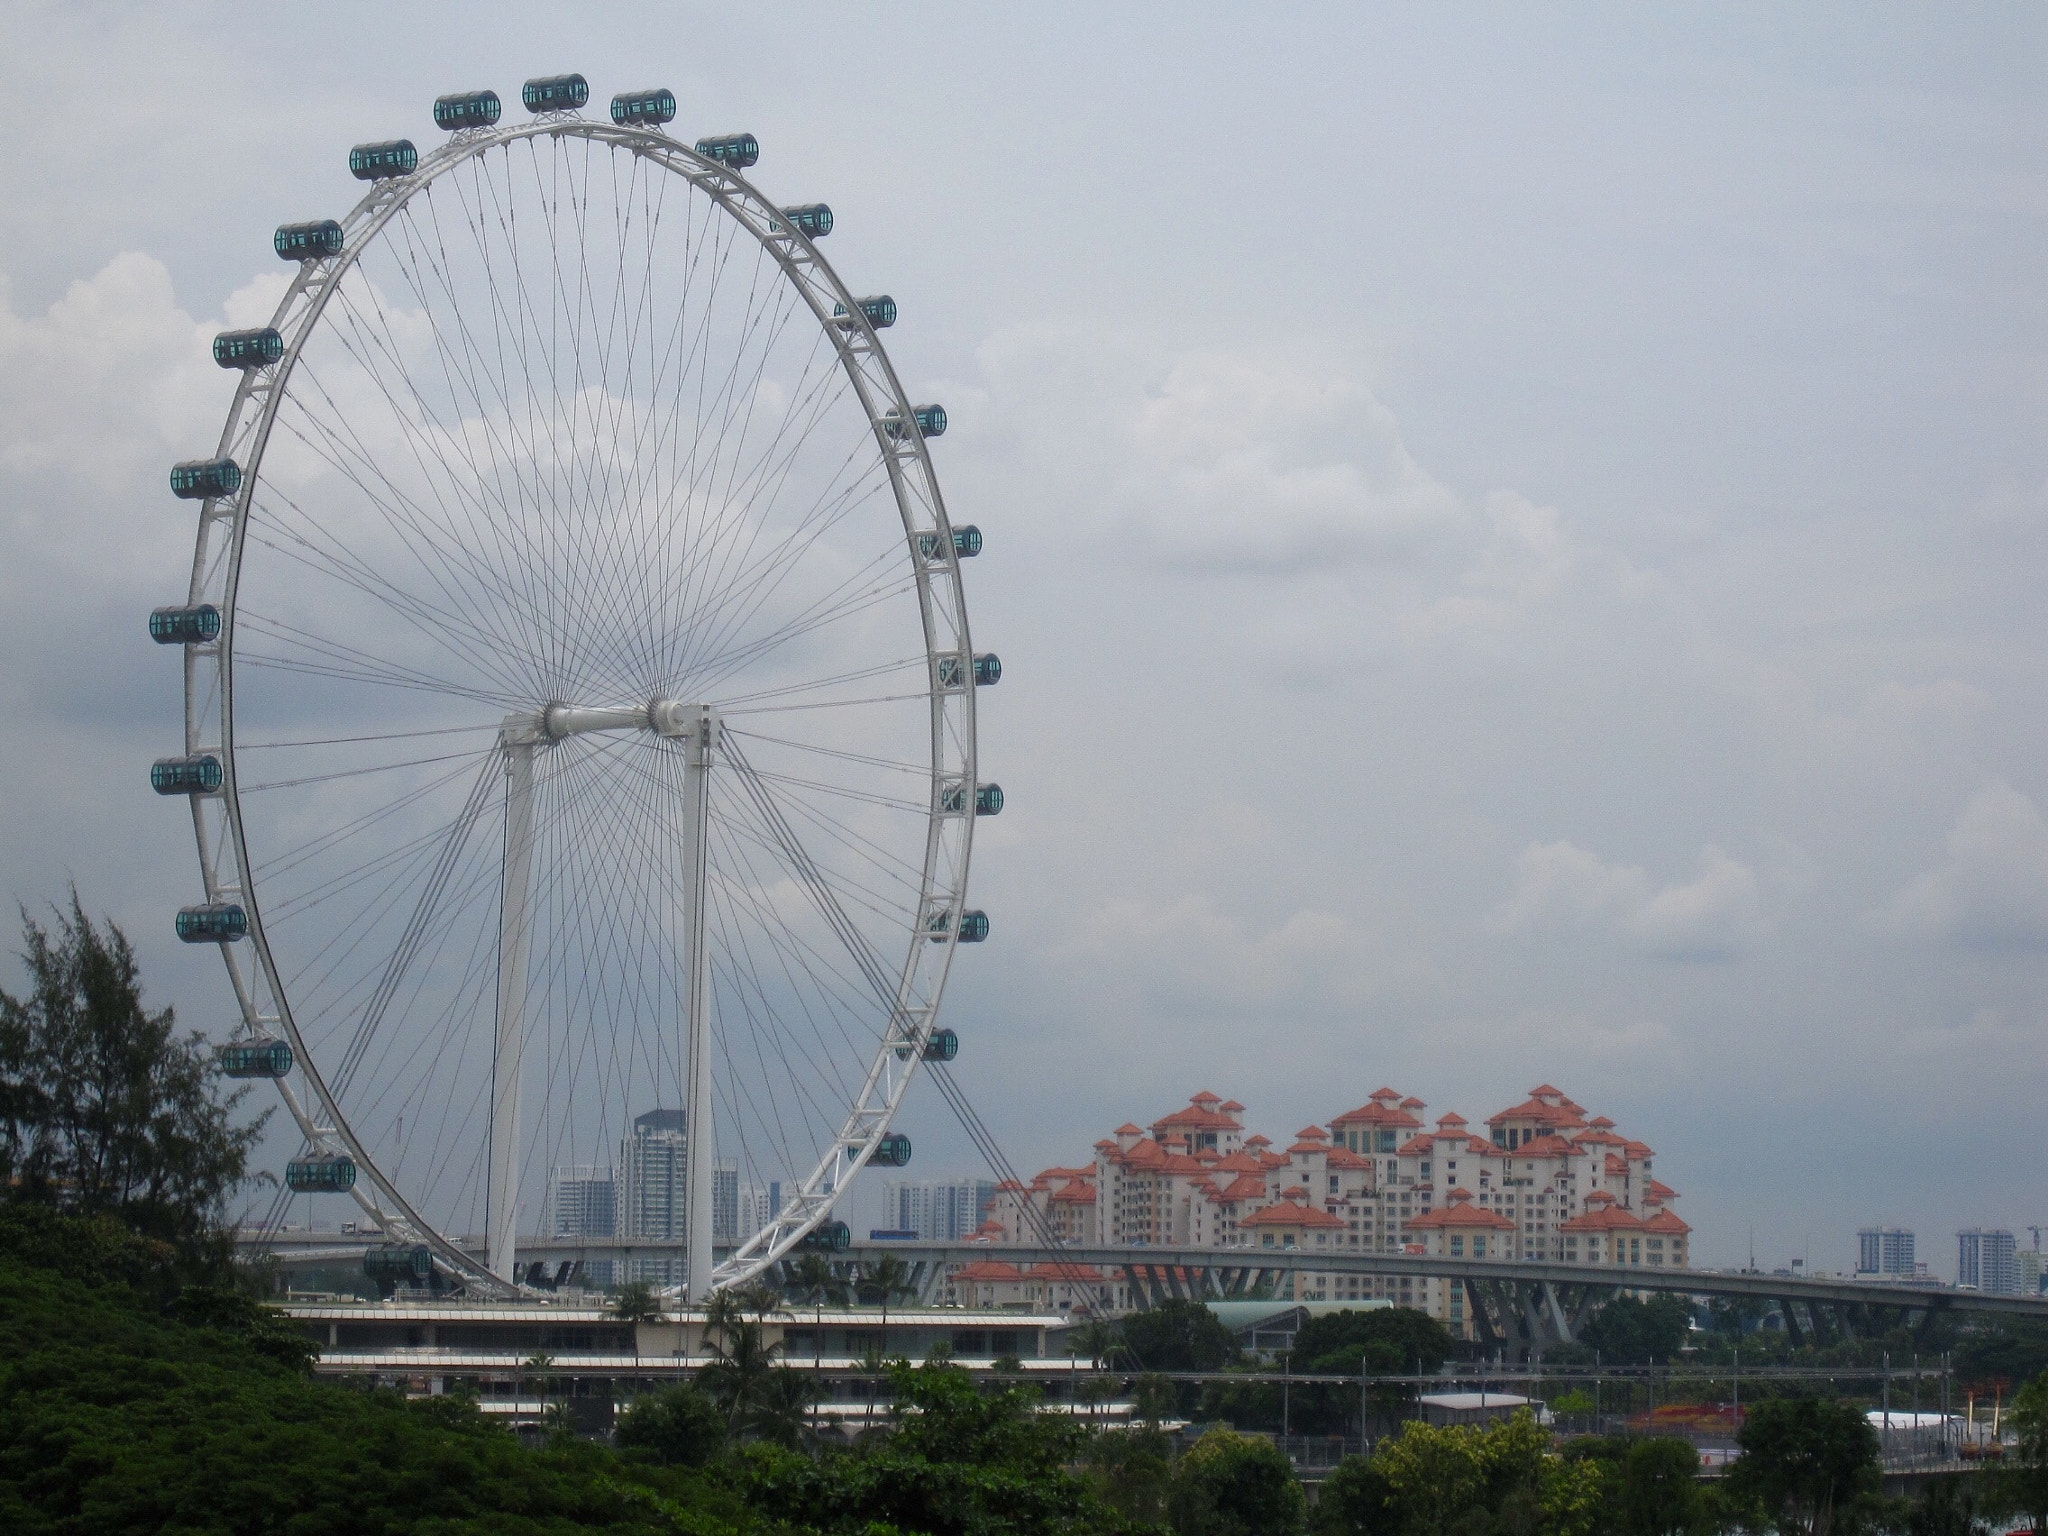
(1515, 541)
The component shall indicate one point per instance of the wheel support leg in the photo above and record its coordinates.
(508, 1059)
(699, 1143)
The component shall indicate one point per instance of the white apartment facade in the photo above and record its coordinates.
(1546, 1182)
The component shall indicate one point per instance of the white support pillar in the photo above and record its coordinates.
(699, 732)
(508, 1061)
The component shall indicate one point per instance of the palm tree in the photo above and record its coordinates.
(636, 1303)
(742, 1374)
(888, 1277)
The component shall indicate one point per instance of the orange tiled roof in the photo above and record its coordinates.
(990, 1269)
(1080, 1192)
(1460, 1212)
(1291, 1213)
(1666, 1221)
(1603, 1217)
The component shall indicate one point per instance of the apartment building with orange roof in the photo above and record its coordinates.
(1378, 1181)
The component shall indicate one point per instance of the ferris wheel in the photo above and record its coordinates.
(579, 702)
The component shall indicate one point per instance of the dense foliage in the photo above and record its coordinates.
(104, 1108)
(1808, 1465)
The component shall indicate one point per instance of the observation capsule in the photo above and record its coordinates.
(943, 1045)
(880, 310)
(185, 775)
(323, 1173)
(988, 799)
(399, 1262)
(467, 109)
(810, 219)
(973, 926)
(265, 1057)
(197, 479)
(644, 109)
(828, 1237)
(184, 626)
(736, 151)
(212, 922)
(931, 421)
(248, 349)
(892, 1151)
(308, 242)
(988, 671)
(966, 543)
(381, 162)
(555, 93)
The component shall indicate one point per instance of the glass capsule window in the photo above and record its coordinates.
(973, 927)
(213, 922)
(185, 775)
(197, 479)
(399, 1262)
(644, 109)
(320, 1175)
(880, 311)
(555, 93)
(256, 1058)
(892, 1151)
(988, 670)
(829, 1237)
(185, 626)
(467, 109)
(931, 421)
(966, 543)
(737, 151)
(380, 162)
(944, 1045)
(812, 220)
(248, 349)
(308, 242)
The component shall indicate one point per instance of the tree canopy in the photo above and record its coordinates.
(1179, 1335)
(104, 1108)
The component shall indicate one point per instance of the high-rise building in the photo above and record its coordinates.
(653, 1189)
(2032, 1269)
(585, 1202)
(725, 1204)
(1987, 1260)
(758, 1205)
(1884, 1251)
(937, 1210)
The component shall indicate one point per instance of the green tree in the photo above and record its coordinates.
(1356, 1500)
(812, 1279)
(1807, 1465)
(1660, 1488)
(1388, 1341)
(1134, 1471)
(2021, 1484)
(1947, 1506)
(104, 1108)
(636, 1302)
(1179, 1335)
(678, 1426)
(1235, 1485)
(1628, 1331)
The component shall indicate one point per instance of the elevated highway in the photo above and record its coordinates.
(1522, 1305)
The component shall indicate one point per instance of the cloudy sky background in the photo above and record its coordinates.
(1516, 543)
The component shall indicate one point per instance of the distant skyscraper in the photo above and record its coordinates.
(653, 1188)
(725, 1204)
(937, 1210)
(1884, 1251)
(758, 1206)
(1987, 1259)
(586, 1204)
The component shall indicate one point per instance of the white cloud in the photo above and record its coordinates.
(1709, 917)
(1243, 464)
(1188, 954)
(1992, 891)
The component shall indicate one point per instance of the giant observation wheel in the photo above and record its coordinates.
(579, 703)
